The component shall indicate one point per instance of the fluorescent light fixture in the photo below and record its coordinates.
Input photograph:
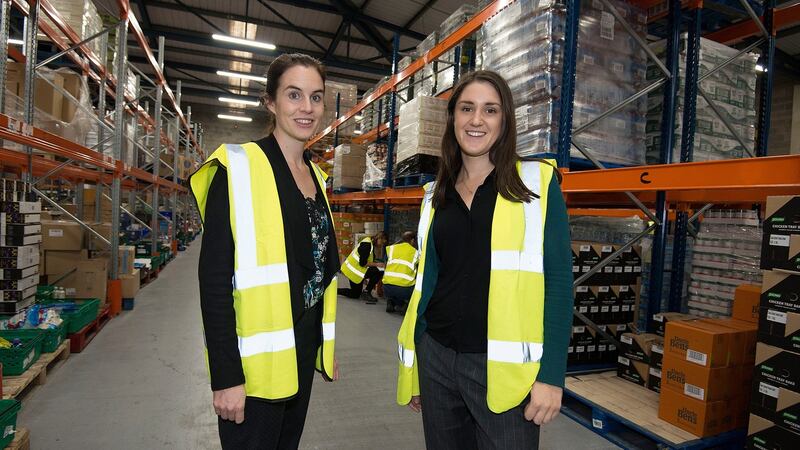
(358, 117)
(239, 101)
(234, 118)
(760, 68)
(16, 41)
(244, 76)
(240, 41)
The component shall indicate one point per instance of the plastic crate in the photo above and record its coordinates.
(86, 312)
(51, 337)
(8, 420)
(44, 293)
(16, 360)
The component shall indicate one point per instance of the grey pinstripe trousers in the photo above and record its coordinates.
(454, 410)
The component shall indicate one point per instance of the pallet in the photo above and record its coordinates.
(627, 415)
(79, 340)
(346, 190)
(22, 440)
(15, 387)
(414, 180)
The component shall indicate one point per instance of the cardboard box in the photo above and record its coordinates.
(634, 371)
(657, 353)
(699, 342)
(744, 340)
(638, 347)
(781, 406)
(130, 284)
(699, 418)
(700, 382)
(746, 301)
(89, 281)
(662, 319)
(780, 329)
(780, 247)
(654, 379)
(58, 262)
(779, 367)
(102, 228)
(61, 235)
(72, 83)
(781, 291)
(763, 434)
(125, 259)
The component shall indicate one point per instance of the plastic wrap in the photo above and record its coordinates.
(82, 17)
(421, 127)
(375, 173)
(348, 166)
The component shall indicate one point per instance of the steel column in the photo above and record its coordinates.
(175, 160)
(157, 151)
(338, 112)
(31, 44)
(568, 82)
(119, 136)
(389, 181)
(765, 104)
(5, 12)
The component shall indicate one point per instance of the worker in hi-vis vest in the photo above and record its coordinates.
(483, 346)
(365, 263)
(401, 272)
(268, 267)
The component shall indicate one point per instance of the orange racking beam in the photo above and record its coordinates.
(783, 18)
(449, 42)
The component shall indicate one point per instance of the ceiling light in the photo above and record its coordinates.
(239, 101)
(234, 118)
(244, 76)
(759, 68)
(16, 41)
(240, 41)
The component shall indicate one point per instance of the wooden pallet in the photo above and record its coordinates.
(22, 440)
(81, 339)
(627, 414)
(15, 387)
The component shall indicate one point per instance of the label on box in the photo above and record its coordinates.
(626, 339)
(582, 289)
(585, 248)
(624, 361)
(604, 309)
(696, 357)
(623, 288)
(618, 68)
(594, 309)
(56, 232)
(655, 348)
(585, 268)
(608, 269)
(694, 391)
(615, 309)
(590, 61)
(576, 269)
(626, 308)
(541, 26)
(628, 269)
(601, 347)
(583, 309)
(597, 423)
(579, 329)
(621, 327)
(603, 289)
(776, 316)
(658, 317)
(607, 249)
(766, 389)
(591, 348)
(779, 240)
(637, 269)
(655, 371)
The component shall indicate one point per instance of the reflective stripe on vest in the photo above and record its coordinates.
(351, 267)
(514, 352)
(267, 342)
(401, 268)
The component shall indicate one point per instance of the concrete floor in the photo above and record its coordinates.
(142, 383)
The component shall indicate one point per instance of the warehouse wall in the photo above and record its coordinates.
(783, 99)
(218, 131)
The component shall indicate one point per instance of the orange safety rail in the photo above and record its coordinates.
(15, 54)
(782, 18)
(373, 134)
(449, 42)
(397, 196)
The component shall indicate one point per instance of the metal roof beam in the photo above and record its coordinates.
(338, 37)
(143, 11)
(289, 22)
(419, 13)
(357, 15)
(252, 20)
(347, 9)
(197, 38)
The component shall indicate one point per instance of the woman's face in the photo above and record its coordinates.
(478, 118)
(298, 104)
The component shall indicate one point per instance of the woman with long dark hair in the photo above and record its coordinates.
(483, 345)
(268, 267)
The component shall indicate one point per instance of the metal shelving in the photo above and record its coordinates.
(117, 162)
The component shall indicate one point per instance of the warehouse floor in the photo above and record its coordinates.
(142, 383)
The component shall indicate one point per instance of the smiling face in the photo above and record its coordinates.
(298, 103)
(477, 119)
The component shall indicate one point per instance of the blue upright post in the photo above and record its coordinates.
(389, 181)
(687, 148)
(667, 140)
(765, 104)
(568, 82)
(457, 65)
(338, 113)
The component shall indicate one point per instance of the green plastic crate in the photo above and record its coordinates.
(8, 420)
(51, 338)
(87, 311)
(17, 360)
(44, 293)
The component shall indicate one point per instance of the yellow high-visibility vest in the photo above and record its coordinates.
(261, 293)
(516, 296)
(401, 265)
(351, 268)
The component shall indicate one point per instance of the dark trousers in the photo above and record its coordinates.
(279, 425)
(397, 295)
(454, 410)
(372, 276)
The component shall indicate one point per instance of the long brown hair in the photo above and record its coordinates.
(503, 152)
(276, 70)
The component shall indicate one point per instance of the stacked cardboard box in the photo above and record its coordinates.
(82, 17)
(706, 371)
(639, 360)
(608, 298)
(419, 135)
(348, 227)
(348, 97)
(726, 254)
(775, 405)
(446, 65)
(20, 236)
(349, 165)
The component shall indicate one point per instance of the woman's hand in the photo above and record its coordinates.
(229, 403)
(415, 404)
(545, 403)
